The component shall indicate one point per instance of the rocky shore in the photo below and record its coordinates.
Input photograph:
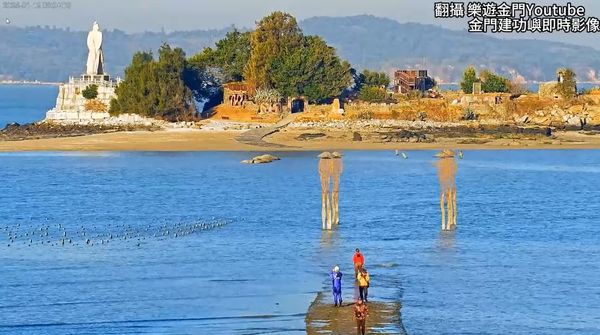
(384, 131)
(41, 130)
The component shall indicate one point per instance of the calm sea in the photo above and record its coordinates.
(197, 243)
(25, 103)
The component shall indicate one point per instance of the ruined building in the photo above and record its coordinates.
(411, 80)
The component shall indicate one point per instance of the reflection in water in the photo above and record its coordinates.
(330, 169)
(446, 241)
(328, 237)
(447, 177)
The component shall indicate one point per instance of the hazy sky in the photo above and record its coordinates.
(154, 15)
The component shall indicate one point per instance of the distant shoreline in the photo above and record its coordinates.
(28, 82)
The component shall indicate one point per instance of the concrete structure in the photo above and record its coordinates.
(477, 87)
(411, 80)
(71, 106)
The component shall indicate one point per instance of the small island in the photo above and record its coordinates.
(275, 88)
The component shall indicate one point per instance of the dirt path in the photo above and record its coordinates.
(324, 318)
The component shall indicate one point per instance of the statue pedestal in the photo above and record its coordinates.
(71, 105)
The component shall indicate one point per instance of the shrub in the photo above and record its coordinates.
(365, 115)
(567, 87)
(267, 96)
(493, 83)
(90, 92)
(94, 105)
(373, 94)
(414, 95)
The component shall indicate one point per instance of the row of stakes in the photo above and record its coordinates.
(59, 235)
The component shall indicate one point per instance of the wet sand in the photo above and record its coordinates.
(201, 140)
(184, 140)
(324, 318)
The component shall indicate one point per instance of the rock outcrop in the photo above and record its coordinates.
(262, 159)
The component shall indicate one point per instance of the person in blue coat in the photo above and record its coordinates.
(336, 285)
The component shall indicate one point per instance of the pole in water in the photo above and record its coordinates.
(447, 169)
(330, 169)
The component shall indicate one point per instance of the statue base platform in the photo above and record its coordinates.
(71, 105)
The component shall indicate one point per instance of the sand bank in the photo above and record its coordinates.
(324, 318)
(289, 139)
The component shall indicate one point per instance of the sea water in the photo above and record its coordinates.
(524, 259)
(25, 103)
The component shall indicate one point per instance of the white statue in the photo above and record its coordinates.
(95, 60)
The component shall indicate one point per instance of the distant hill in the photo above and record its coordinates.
(373, 42)
(48, 54)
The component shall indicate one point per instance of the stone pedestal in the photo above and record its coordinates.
(70, 103)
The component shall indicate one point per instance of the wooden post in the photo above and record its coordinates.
(325, 174)
(443, 211)
(447, 169)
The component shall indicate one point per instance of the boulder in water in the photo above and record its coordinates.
(262, 159)
(446, 153)
(325, 155)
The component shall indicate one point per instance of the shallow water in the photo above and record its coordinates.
(524, 260)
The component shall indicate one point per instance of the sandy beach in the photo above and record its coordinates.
(287, 140)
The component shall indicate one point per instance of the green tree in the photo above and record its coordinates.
(163, 88)
(493, 83)
(312, 70)
(469, 77)
(133, 92)
(90, 92)
(373, 78)
(567, 84)
(229, 56)
(274, 36)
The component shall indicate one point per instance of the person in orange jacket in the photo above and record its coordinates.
(359, 261)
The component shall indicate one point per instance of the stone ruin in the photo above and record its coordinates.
(235, 94)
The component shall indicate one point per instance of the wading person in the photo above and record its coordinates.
(360, 315)
(359, 261)
(336, 286)
(363, 284)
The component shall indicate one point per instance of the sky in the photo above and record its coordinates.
(170, 15)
